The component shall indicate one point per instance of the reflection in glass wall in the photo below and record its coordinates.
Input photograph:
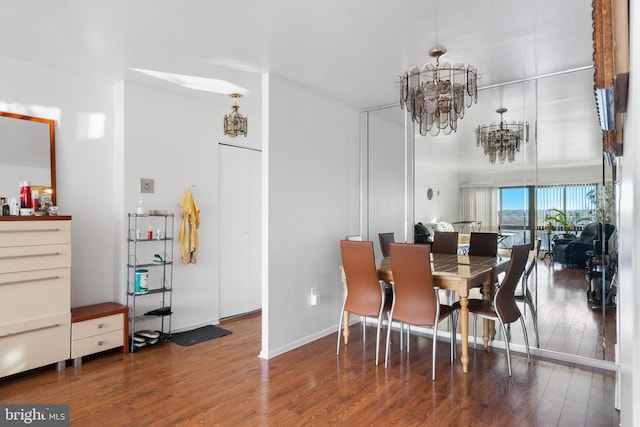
(558, 170)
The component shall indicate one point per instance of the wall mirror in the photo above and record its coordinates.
(560, 167)
(27, 153)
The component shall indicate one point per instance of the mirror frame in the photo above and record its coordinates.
(52, 146)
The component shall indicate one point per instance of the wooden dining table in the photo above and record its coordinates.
(457, 273)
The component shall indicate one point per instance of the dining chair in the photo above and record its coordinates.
(365, 294)
(385, 239)
(415, 298)
(483, 244)
(524, 294)
(445, 242)
(503, 307)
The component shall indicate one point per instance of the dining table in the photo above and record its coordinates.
(458, 273)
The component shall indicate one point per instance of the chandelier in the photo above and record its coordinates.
(502, 140)
(235, 124)
(435, 96)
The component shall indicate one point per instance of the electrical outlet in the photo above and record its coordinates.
(146, 185)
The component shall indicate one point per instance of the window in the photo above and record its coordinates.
(576, 201)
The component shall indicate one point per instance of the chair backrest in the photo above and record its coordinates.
(532, 258)
(364, 293)
(415, 298)
(483, 244)
(505, 302)
(385, 239)
(445, 242)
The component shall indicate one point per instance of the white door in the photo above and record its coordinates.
(240, 224)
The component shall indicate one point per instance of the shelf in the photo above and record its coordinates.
(149, 292)
(168, 239)
(150, 264)
(142, 248)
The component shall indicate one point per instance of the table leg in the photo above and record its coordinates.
(345, 330)
(464, 332)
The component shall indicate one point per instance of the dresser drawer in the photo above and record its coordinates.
(34, 344)
(34, 294)
(100, 325)
(28, 233)
(25, 258)
(97, 343)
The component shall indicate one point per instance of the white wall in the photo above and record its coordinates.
(82, 109)
(172, 139)
(385, 181)
(311, 152)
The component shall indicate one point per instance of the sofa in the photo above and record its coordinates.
(423, 233)
(573, 252)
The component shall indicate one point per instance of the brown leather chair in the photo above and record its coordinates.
(504, 307)
(524, 295)
(483, 244)
(415, 298)
(365, 294)
(385, 239)
(445, 242)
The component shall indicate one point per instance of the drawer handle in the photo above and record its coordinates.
(100, 343)
(29, 256)
(100, 326)
(39, 279)
(30, 330)
(29, 231)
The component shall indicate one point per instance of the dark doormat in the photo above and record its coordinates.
(195, 336)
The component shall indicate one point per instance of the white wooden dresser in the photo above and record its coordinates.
(35, 292)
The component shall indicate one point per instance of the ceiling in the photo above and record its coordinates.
(351, 50)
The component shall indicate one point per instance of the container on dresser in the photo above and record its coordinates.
(98, 327)
(35, 292)
(149, 277)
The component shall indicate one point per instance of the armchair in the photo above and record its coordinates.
(573, 253)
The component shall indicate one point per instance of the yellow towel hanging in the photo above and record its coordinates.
(188, 229)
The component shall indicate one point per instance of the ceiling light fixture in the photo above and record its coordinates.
(436, 96)
(235, 124)
(502, 140)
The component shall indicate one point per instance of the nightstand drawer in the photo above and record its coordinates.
(96, 343)
(97, 326)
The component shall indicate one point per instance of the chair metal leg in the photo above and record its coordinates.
(388, 344)
(526, 338)
(363, 321)
(433, 355)
(534, 315)
(340, 327)
(504, 331)
(452, 334)
(408, 335)
(378, 336)
(401, 335)
(475, 341)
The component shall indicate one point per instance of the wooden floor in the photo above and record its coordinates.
(222, 382)
(566, 321)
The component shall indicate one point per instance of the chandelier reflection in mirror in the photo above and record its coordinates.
(235, 124)
(502, 140)
(437, 95)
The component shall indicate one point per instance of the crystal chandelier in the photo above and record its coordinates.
(235, 124)
(502, 140)
(435, 96)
